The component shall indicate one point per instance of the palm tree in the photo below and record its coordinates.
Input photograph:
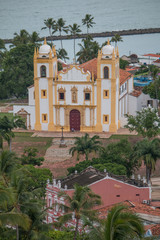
(88, 50)
(34, 37)
(120, 224)
(81, 204)
(85, 145)
(116, 38)
(61, 53)
(7, 125)
(8, 162)
(9, 213)
(74, 30)
(21, 38)
(60, 26)
(88, 21)
(149, 152)
(49, 23)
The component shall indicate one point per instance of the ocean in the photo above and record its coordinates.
(108, 16)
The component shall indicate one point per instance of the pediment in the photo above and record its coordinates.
(74, 73)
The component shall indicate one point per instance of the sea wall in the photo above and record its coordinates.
(103, 34)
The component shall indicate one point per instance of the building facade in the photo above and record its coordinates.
(112, 189)
(73, 98)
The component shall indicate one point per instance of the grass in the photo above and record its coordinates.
(9, 115)
(122, 136)
(25, 139)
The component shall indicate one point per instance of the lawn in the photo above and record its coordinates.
(25, 139)
(9, 115)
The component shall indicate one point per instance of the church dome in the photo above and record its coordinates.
(107, 50)
(45, 48)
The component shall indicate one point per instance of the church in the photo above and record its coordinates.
(91, 97)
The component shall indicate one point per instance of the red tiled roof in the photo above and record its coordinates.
(133, 206)
(135, 93)
(157, 61)
(124, 76)
(152, 55)
(130, 68)
(155, 204)
(155, 229)
(92, 67)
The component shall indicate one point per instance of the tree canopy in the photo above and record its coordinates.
(146, 122)
(17, 72)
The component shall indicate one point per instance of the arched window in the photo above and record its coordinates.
(106, 72)
(43, 71)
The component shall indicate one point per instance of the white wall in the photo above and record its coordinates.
(75, 74)
(44, 103)
(31, 100)
(146, 59)
(29, 109)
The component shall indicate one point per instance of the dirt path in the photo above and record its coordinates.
(58, 159)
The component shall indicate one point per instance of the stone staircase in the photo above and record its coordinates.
(57, 154)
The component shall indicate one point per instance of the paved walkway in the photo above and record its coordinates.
(121, 131)
(58, 159)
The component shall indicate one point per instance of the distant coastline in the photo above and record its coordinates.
(103, 34)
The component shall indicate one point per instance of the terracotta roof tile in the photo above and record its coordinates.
(152, 55)
(155, 230)
(157, 61)
(155, 203)
(92, 67)
(133, 206)
(135, 93)
(124, 76)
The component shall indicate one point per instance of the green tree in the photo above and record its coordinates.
(60, 26)
(116, 158)
(120, 224)
(2, 50)
(81, 204)
(88, 21)
(148, 152)
(8, 162)
(7, 125)
(146, 122)
(34, 37)
(30, 157)
(116, 38)
(10, 214)
(150, 89)
(154, 88)
(61, 53)
(85, 145)
(21, 38)
(123, 63)
(17, 72)
(37, 179)
(50, 24)
(88, 50)
(74, 31)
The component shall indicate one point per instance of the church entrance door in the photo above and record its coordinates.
(75, 120)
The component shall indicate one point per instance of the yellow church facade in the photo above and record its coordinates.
(82, 98)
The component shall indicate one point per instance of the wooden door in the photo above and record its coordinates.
(75, 120)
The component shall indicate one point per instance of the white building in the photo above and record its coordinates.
(148, 59)
(91, 97)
